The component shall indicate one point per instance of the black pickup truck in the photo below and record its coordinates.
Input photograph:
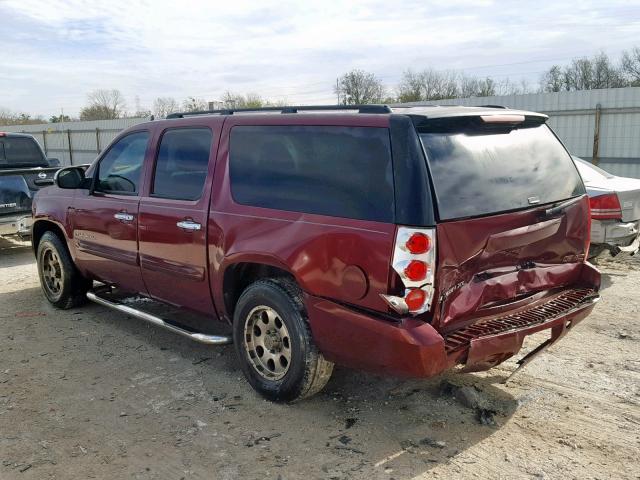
(24, 169)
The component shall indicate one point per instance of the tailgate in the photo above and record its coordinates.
(15, 196)
(496, 263)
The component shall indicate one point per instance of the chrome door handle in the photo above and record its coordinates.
(123, 217)
(189, 225)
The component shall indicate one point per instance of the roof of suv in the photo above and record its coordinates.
(429, 111)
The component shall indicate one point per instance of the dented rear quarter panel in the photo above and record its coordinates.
(323, 253)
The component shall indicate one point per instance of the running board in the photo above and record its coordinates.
(147, 317)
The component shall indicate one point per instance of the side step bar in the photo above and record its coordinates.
(147, 317)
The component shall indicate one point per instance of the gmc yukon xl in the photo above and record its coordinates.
(406, 241)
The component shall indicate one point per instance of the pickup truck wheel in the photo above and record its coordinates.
(274, 344)
(61, 282)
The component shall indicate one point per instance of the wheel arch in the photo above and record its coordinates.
(40, 227)
(238, 275)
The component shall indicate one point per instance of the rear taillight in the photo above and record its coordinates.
(414, 258)
(605, 207)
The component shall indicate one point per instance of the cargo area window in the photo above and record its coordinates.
(182, 163)
(119, 170)
(326, 170)
(486, 170)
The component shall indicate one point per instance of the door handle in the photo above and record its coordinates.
(189, 225)
(123, 217)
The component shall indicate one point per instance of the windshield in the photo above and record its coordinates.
(20, 152)
(483, 171)
(589, 172)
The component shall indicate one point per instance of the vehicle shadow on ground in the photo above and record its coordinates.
(15, 253)
(360, 426)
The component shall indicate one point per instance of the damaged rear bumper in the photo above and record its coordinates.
(488, 343)
(414, 348)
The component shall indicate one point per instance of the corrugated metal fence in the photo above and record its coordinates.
(599, 125)
(75, 143)
(603, 125)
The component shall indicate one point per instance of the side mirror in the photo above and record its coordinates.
(53, 162)
(70, 178)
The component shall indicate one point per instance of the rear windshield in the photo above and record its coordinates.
(20, 152)
(483, 171)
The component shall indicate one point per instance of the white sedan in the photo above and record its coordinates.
(615, 210)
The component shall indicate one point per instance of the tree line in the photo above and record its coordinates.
(599, 71)
(359, 87)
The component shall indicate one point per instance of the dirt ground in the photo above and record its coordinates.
(90, 393)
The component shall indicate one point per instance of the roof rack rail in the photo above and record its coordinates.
(493, 106)
(373, 108)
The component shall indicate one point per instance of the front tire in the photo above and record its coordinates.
(61, 282)
(273, 341)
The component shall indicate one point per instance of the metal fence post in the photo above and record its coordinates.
(98, 140)
(44, 142)
(596, 136)
(70, 149)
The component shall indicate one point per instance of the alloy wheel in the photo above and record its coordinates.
(267, 342)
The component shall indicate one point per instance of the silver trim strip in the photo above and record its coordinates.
(147, 317)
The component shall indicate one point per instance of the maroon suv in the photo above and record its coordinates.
(404, 240)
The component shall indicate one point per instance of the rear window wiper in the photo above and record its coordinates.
(550, 212)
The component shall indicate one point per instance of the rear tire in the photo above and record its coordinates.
(273, 341)
(61, 282)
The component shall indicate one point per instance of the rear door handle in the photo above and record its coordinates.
(123, 217)
(189, 225)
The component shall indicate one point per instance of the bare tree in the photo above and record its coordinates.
(585, 74)
(59, 118)
(552, 80)
(163, 106)
(250, 100)
(631, 66)
(509, 87)
(359, 87)
(410, 88)
(253, 100)
(7, 117)
(431, 84)
(104, 105)
(193, 104)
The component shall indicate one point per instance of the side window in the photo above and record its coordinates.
(119, 170)
(336, 171)
(182, 163)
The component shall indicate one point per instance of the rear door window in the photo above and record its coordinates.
(326, 170)
(182, 163)
(483, 171)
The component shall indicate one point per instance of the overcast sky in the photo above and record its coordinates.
(55, 52)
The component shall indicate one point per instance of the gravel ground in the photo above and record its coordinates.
(90, 393)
